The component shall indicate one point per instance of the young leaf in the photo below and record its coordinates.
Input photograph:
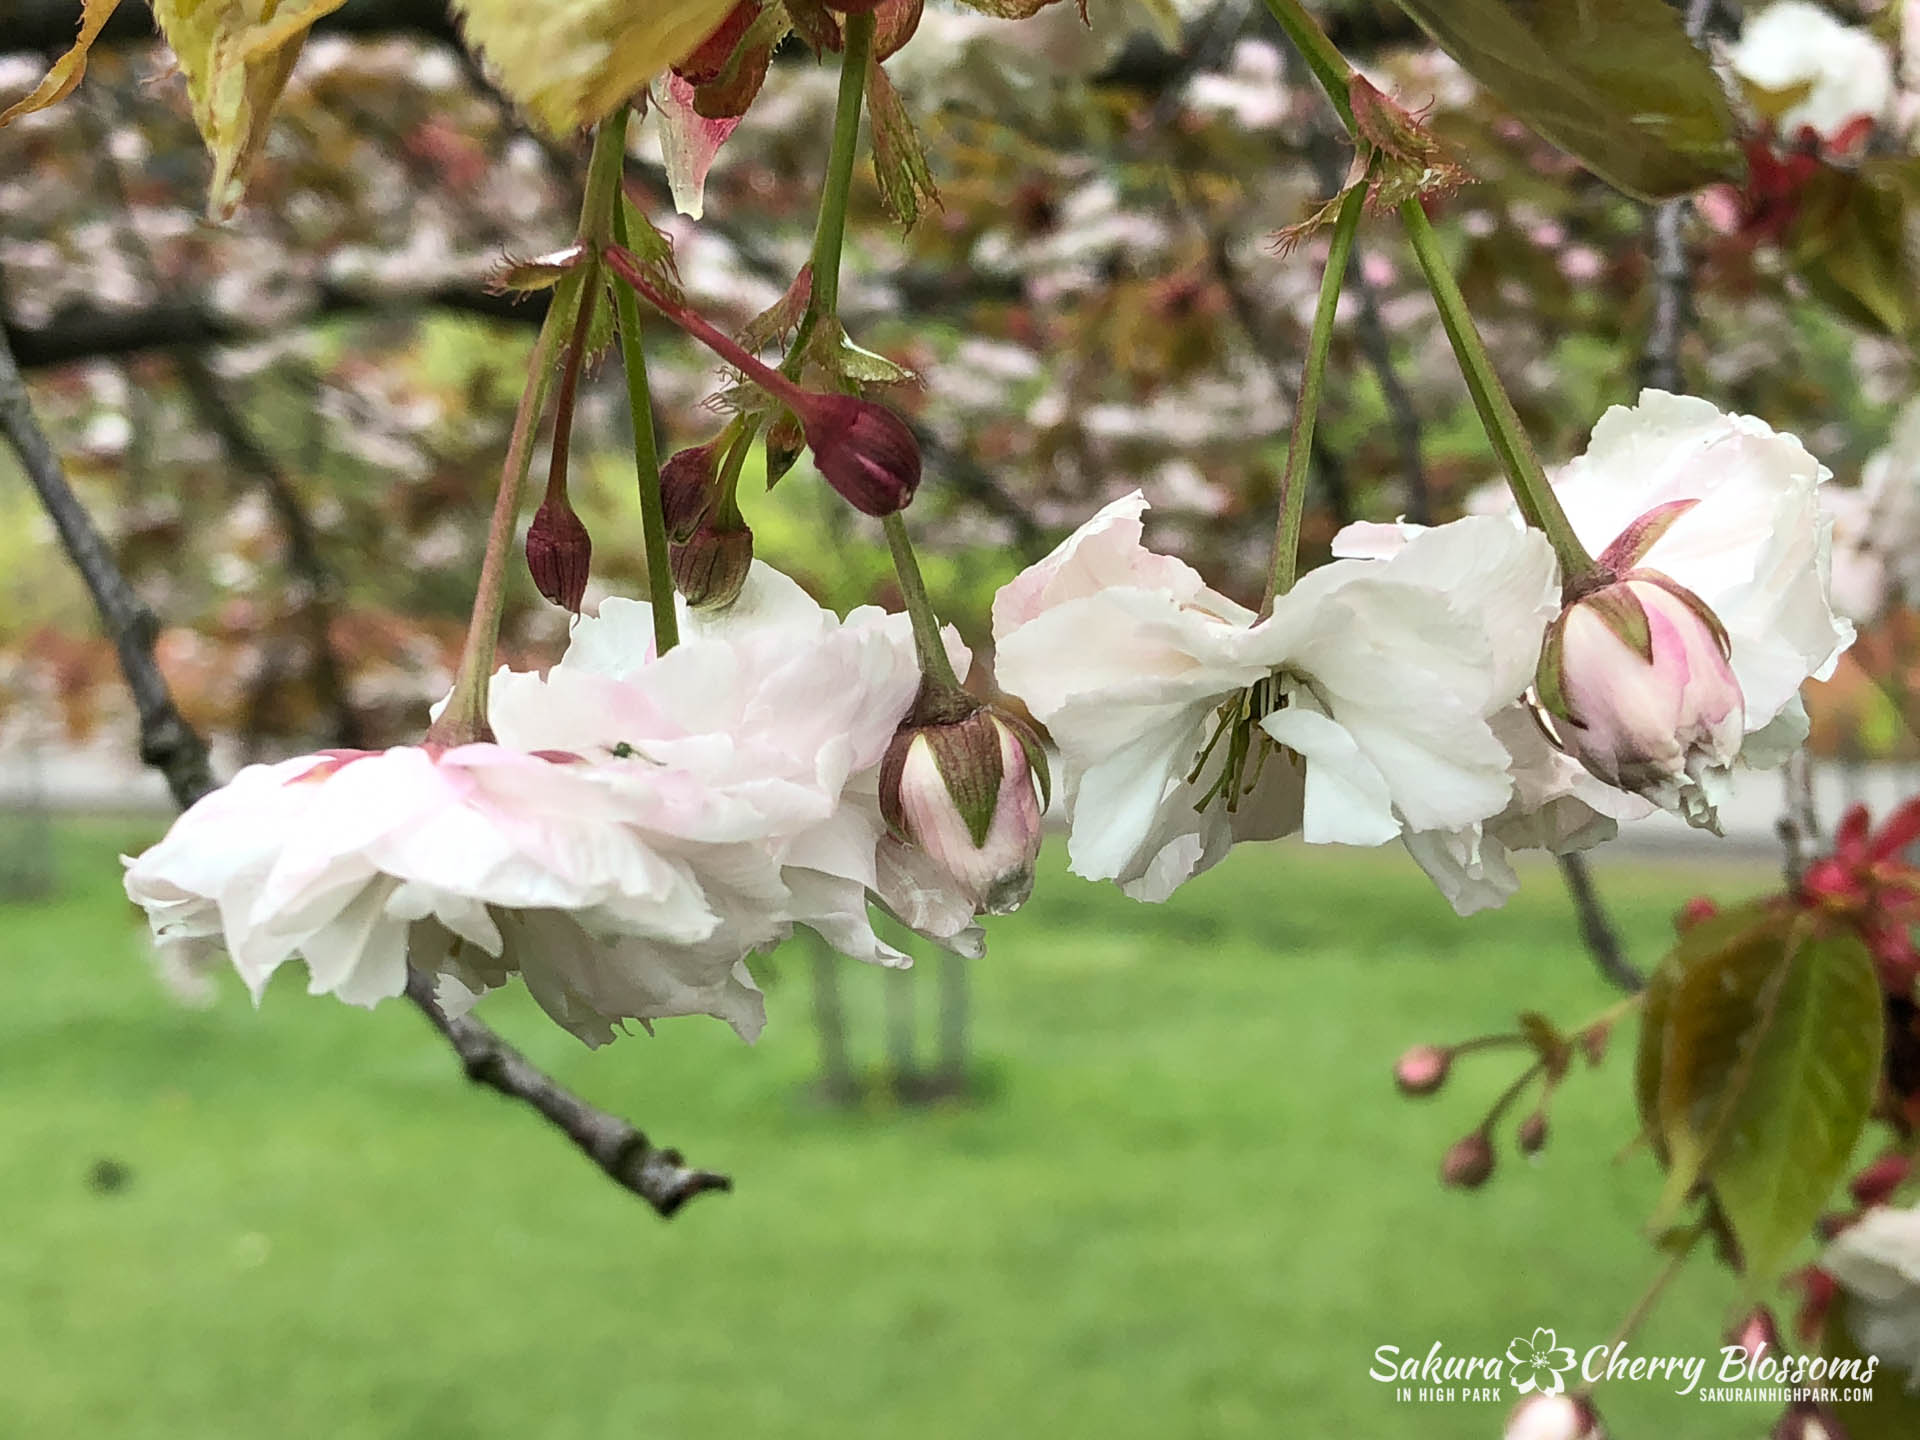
(1850, 246)
(1770, 1054)
(1615, 83)
(864, 366)
(573, 63)
(67, 70)
(899, 161)
(236, 56)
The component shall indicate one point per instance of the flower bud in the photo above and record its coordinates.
(1636, 680)
(1533, 1133)
(1693, 912)
(865, 451)
(1757, 1335)
(1422, 1070)
(966, 793)
(1875, 1184)
(710, 566)
(1554, 1417)
(1469, 1163)
(559, 552)
(687, 484)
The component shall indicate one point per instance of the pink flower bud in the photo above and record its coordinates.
(1757, 1335)
(1693, 912)
(1636, 680)
(687, 483)
(1554, 1417)
(1533, 1133)
(1469, 1163)
(710, 566)
(559, 552)
(1422, 1070)
(966, 793)
(865, 451)
(1875, 1184)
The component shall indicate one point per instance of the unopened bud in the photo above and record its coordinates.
(1533, 1133)
(966, 793)
(1692, 913)
(710, 566)
(1875, 1184)
(559, 552)
(1422, 1070)
(710, 57)
(865, 451)
(784, 442)
(1636, 679)
(1757, 1335)
(687, 484)
(1469, 1163)
(1554, 1417)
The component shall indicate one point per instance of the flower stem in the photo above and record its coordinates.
(1525, 476)
(934, 663)
(646, 453)
(1328, 65)
(1643, 1307)
(830, 230)
(1293, 482)
(570, 382)
(465, 717)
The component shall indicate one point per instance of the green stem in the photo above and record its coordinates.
(1293, 483)
(646, 458)
(1525, 475)
(934, 663)
(1328, 65)
(465, 717)
(830, 231)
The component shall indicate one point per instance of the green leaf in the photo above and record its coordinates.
(1850, 245)
(857, 363)
(571, 64)
(1615, 83)
(236, 55)
(899, 160)
(1770, 1057)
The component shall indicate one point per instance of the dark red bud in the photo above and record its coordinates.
(687, 483)
(706, 62)
(865, 451)
(1873, 1185)
(710, 567)
(1533, 1133)
(1469, 1163)
(1422, 1070)
(1693, 912)
(559, 553)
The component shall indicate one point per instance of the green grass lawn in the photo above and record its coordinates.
(1190, 1205)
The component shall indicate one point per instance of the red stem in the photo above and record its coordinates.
(623, 264)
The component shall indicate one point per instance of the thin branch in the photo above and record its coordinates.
(629, 1159)
(174, 748)
(1596, 928)
(1672, 265)
(167, 742)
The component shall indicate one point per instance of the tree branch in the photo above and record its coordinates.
(173, 747)
(1672, 266)
(1596, 929)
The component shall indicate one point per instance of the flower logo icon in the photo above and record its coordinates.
(1539, 1363)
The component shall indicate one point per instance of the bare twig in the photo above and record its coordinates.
(1799, 822)
(1596, 928)
(175, 749)
(1672, 266)
(630, 1160)
(167, 742)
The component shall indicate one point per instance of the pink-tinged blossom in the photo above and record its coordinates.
(1357, 711)
(1833, 80)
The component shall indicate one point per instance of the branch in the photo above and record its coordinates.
(630, 1160)
(1672, 266)
(172, 746)
(1603, 943)
(167, 742)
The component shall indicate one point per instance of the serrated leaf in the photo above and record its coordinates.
(899, 159)
(1615, 83)
(780, 317)
(856, 362)
(236, 56)
(542, 272)
(65, 72)
(566, 301)
(1770, 1058)
(571, 63)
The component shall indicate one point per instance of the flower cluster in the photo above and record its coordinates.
(640, 825)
